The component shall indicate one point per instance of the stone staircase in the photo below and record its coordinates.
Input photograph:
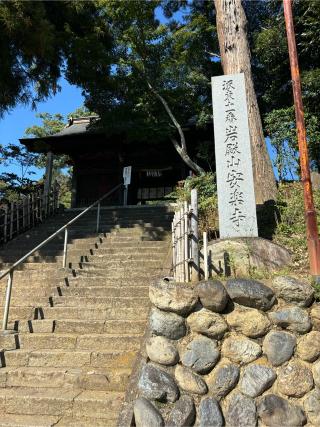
(78, 330)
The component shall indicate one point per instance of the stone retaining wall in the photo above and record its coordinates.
(242, 353)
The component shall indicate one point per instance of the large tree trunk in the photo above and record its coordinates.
(235, 58)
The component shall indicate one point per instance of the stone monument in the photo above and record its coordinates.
(239, 251)
(236, 200)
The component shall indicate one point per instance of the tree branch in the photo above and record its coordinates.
(170, 114)
(181, 149)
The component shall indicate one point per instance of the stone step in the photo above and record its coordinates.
(51, 401)
(27, 281)
(78, 301)
(28, 300)
(31, 241)
(52, 341)
(103, 291)
(68, 359)
(117, 274)
(99, 327)
(22, 293)
(111, 263)
(78, 326)
(126, 246)
(88, 422)
(14, 420)
(84, 378)
(79, 342)
(79, 282)
(85, 256)
(131, 244)
(76, 313)
(98, 302)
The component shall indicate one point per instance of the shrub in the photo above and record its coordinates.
(291, 227)
(207, 200)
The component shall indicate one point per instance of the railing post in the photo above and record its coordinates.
(173, 250)
(65, 248)
(7, 303)
(205, 255)
(183, 255)
(195, 238)
(98, 218)
(186, 241)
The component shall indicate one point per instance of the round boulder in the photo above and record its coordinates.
(222, 380)
(250, 293)
(278, 346)
(167, 295)
(156, 384)
(241, 411)
(169, 325)
(210, 413)
(293, 291)
(207, 323)
(256, 379)
(316, 373)
(189, 381)
(212, 295)
(293, 318)
(161, 350)
(249, 321)
(183, 413)
(312, 407)
(276, 411)
(145, 414)
(294, 379)
(240, 350)
(315, 316)
(308, 348)
(201, 354)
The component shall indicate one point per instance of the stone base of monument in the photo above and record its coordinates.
(246, 256)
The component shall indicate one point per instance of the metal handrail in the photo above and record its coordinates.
(64, 228)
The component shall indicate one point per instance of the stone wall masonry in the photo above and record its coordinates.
(234, 353)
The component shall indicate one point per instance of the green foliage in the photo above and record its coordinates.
(175, 58)
(316, 287)
(291, 228)
(273, 79)
(207, 200)
(14, 183)
(280, 127)
(40, 39)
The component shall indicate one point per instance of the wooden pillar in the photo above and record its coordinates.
(74, 187)
(48, 178)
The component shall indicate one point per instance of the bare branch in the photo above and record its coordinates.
(170, 114)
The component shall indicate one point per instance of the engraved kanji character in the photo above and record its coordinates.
(230, 116)
(236, 197)
(232, 148)
(234, 161)
(234, 177)
(237, 216)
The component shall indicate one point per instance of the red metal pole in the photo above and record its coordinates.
(310, 212)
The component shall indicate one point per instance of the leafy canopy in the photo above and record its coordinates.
(40, 40)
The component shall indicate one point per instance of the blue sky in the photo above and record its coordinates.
(13, 124)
